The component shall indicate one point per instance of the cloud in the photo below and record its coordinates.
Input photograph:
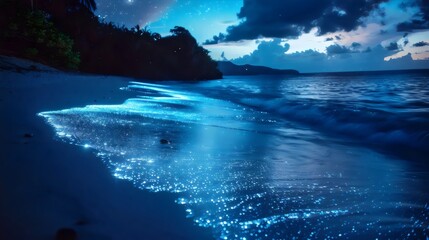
(223, 57)
(393, 46)
(406, 42)
(289, 19)
(273, 50)
(344, 59)
(420, 20)
(329, 39)
(411, 25)
(382, 32)
(337, 49)
(356, 45)
(421, 44)
(216, 39)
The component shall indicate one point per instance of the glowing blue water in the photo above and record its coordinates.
(307, 157)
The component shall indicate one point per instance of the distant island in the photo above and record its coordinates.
(66, 34)
(229, 68)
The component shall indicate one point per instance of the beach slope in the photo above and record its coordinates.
(46, 185)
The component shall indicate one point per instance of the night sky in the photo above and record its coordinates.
(307, 35)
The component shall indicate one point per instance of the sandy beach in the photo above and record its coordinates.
(256, 157)
(46, 184)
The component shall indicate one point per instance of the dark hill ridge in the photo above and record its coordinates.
(66, 34)
(229, 68)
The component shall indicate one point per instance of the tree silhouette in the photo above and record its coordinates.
(108, 49)
(89, 4)
(180, 31)
(145, 33)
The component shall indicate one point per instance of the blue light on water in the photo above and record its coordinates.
(244, 172)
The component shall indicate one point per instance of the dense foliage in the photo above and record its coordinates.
(103, 47)
(29, 34)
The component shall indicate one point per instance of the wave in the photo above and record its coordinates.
(399, 131)
(399, 127)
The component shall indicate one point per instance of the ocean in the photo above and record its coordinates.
(334, 156)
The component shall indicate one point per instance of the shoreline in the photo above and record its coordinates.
(47, 184)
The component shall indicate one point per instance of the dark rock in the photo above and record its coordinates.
(164, 141)
(28, 135)
(66, 234)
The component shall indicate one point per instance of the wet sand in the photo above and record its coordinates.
(46, 184)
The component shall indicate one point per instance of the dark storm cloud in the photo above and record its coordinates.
(420, 19)
(393, 46)
(289, 19)
(421, 44)
(412, 25)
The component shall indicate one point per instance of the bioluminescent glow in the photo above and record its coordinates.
(246, 173)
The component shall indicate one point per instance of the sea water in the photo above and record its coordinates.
(331, 156)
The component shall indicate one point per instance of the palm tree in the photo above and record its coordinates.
(145, 33)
